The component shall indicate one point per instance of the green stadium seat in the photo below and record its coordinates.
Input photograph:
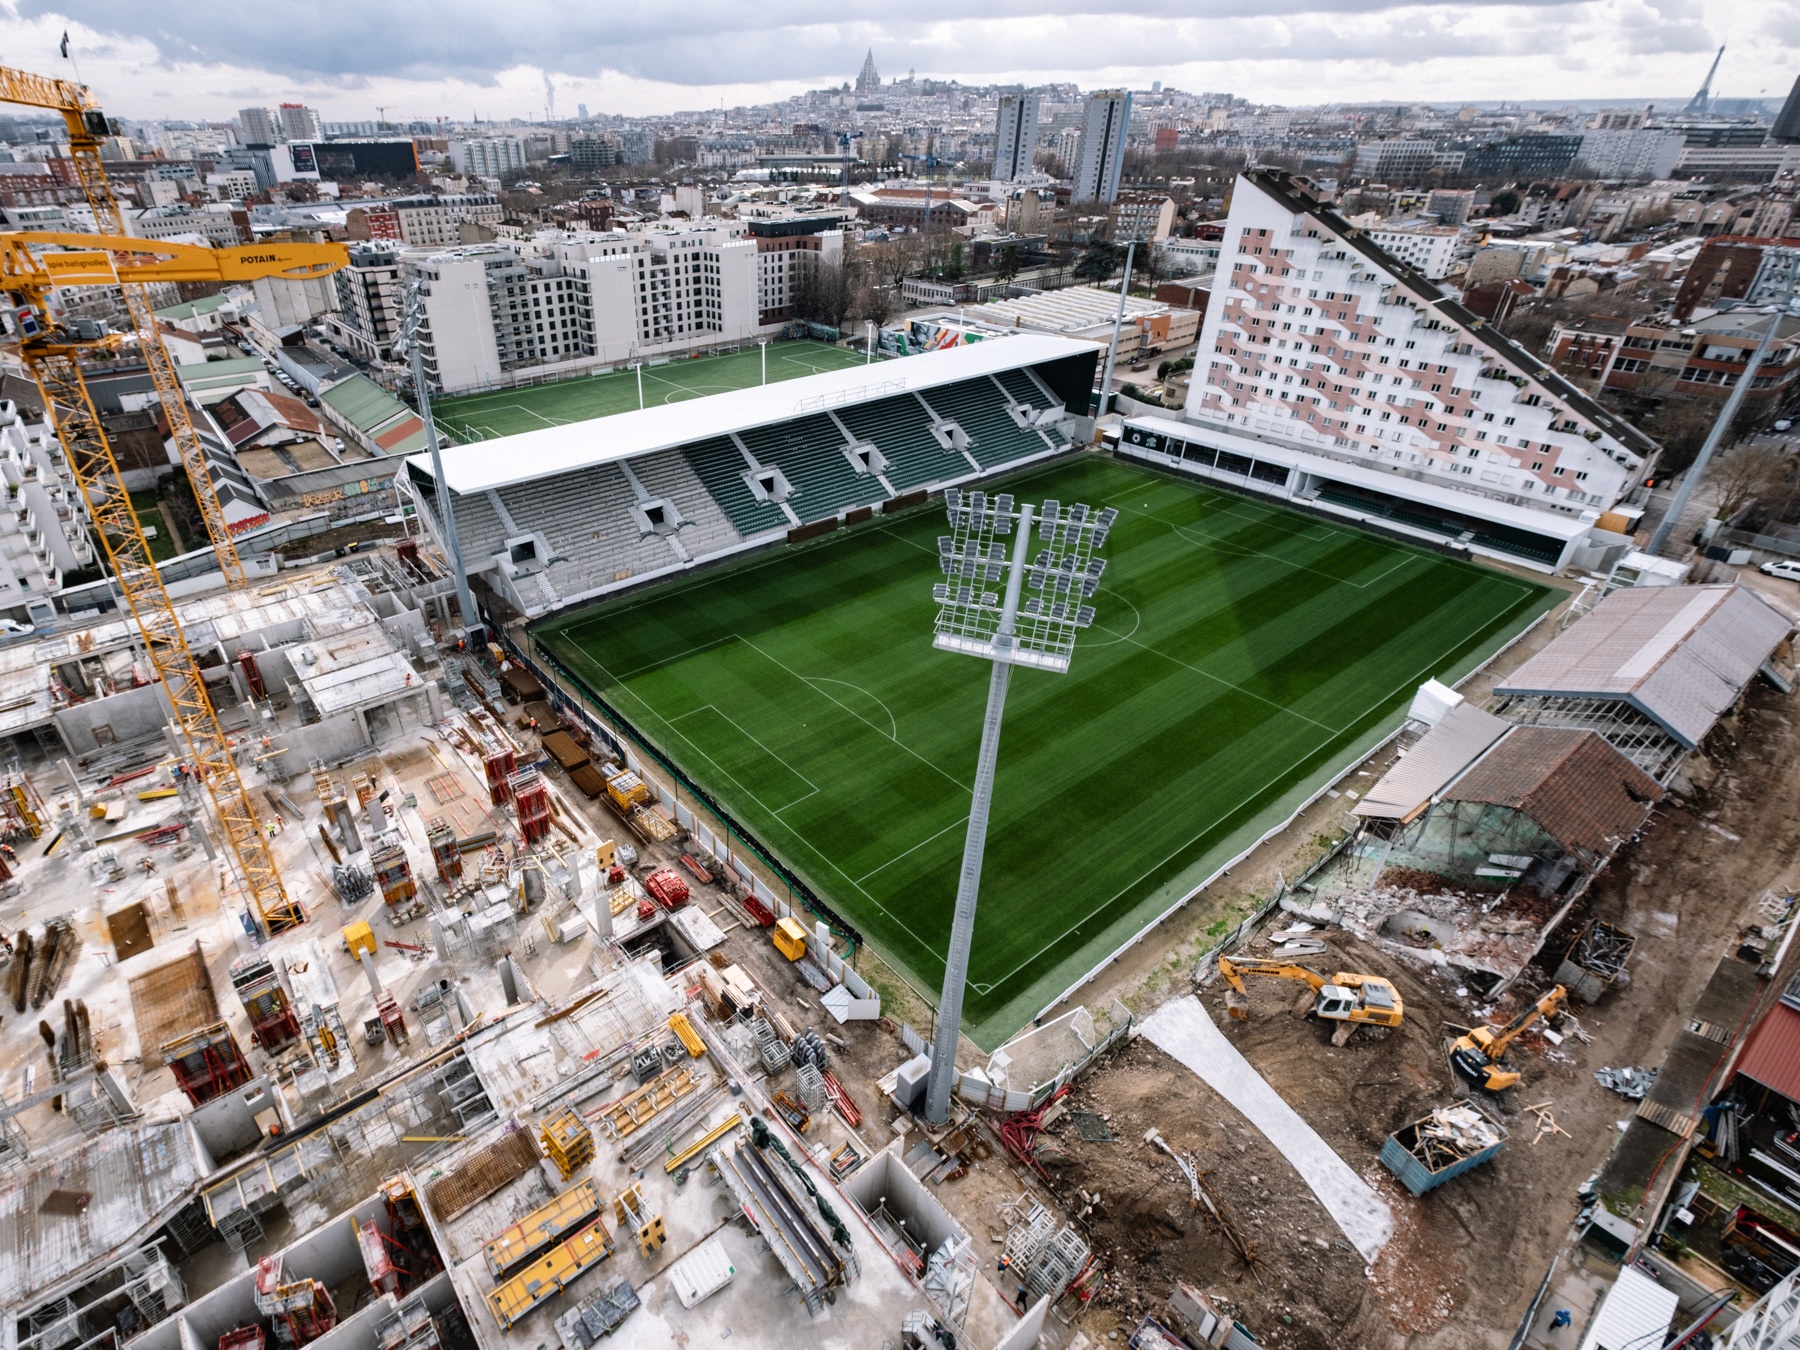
(720, 467)
(980, 409)
(900, 428)
(810, 452)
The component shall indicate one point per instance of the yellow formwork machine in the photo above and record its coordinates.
(568, 1142)
(32, 266)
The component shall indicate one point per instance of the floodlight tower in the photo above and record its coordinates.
(1040, 633)
(410, 342)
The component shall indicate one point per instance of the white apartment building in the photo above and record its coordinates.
(44, 530)
(1326, 374)
(258, 126)
(367, 318)
(1638, 152)
(1015, 134)
(215, 225)
(297, 122)
(602, 299)
(489, 156)
(1434, 250)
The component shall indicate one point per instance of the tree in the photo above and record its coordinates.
(825, 290)
(954, 269)
(1099, 262)
(1505, 202)
(875, 303)
(1008, 266)
(1744, 475)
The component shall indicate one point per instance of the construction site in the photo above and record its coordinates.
(368, 985)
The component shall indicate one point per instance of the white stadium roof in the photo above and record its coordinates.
(579, 445)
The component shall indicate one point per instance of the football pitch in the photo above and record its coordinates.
(506, 412)
(1242, 654)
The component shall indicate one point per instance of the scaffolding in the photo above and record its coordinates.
(531, 797)
(393, 871)
(21, 808)
(259, 989)
(409, 1327)
(300, 1310)
(445, 855)
(206, 1062)
(1044, 1258)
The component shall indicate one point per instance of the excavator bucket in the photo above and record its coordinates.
(1237, 1005)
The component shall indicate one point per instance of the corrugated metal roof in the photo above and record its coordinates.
(1680, 654)
(1635, 1313)
(1578, 789)
(1441, 753)
(1772, 1054)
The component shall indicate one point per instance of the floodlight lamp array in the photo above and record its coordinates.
(1064, 573)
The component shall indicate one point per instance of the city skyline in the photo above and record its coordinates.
(190, 61)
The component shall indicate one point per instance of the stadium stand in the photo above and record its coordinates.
(900, 428)
(705, 528)
(720, 466)
(980, 410)
(592, 507)
(809, 451)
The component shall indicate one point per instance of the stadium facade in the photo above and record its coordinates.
(1333, 375)
(571, 513)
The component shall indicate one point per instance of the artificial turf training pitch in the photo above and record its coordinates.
(506, 412)
(1243, 654)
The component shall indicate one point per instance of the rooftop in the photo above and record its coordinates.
(1579, 790)
(1679, 654)
(579, 445)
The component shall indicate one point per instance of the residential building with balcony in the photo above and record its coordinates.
(1330, 373)
(367, 319)
(44, 526)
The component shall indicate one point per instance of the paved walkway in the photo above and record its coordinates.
(1186, 1032)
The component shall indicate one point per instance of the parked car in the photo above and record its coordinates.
(1787, 567)
(11, 628)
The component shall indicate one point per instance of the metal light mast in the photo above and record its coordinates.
(1040, 633)
(412, 320)
(1722, 424)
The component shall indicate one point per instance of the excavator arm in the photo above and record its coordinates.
(1237, 1001)
(1547, 1006)
(1477, 1054)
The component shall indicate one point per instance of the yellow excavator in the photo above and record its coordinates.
(1346, 998)
(1478, 1053)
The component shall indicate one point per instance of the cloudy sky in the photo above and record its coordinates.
(426, 58)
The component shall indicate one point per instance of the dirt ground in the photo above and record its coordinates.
(1466, 1258)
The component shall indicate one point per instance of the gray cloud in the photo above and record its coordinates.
(709, 42)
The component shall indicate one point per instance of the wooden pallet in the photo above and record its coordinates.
(483, 1174)
(631, 1113)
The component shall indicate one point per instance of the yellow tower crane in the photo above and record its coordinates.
(31, 267)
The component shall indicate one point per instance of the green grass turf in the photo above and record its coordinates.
(506, 412)
(1243, 654)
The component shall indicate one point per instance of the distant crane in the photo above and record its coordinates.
(1702, 100)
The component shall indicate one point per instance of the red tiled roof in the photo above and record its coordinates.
(1772, 1054)
(1579, 790)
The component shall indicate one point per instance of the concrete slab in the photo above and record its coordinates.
(1183, 1029)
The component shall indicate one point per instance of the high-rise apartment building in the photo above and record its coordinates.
(258, 126)
(369, 301)
(1015, 134)
(297, 122)
(490, 156)
(1102, 158)
(1328, 373)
